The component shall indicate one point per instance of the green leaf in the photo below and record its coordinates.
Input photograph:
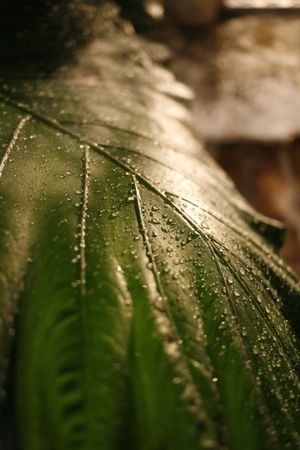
(152, 309)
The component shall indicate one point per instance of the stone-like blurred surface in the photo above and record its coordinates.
(250, 4)
(246, 75)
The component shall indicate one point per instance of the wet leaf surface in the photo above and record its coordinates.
(153, 310)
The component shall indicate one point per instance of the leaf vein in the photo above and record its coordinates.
(191, 394)
(13, 142)
(101, 149)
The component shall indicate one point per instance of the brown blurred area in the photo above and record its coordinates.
(268, 175)
(245, 71)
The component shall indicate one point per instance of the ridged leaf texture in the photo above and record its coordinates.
(143, 302)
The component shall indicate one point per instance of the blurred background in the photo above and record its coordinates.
(242, 59)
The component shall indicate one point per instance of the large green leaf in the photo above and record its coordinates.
(153, 309)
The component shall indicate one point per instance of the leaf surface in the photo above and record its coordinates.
(153, 311)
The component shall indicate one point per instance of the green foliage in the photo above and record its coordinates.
(143, 303)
